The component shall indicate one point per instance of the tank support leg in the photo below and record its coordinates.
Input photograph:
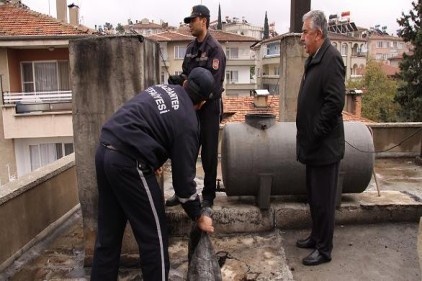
(264, 191)
(339, 188)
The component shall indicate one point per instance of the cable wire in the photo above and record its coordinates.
(388, 149)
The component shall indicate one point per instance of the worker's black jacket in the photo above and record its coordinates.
(158, 124)
(207, 54)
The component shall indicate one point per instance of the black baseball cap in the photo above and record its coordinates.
(200, 84)
(198, 11)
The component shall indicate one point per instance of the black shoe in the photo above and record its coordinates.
(207, 203)
(315, 258)
(172, 201)
(306, 243)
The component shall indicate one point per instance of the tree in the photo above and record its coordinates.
(378, 98)
(409, 94)
(266, 27)
(219, 24)
(108, 26)
(120, 29)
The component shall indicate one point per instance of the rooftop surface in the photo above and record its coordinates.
(362, 251)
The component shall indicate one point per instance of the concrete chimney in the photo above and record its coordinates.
(73, 14)
(297, 10)
(61, 10)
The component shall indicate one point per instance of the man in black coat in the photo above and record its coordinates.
(320, 132)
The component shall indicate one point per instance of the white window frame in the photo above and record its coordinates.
(41, 154)
(232, 76)
(62, 83)
(179, 52)
(232, 52)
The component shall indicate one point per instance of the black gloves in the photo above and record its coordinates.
(177, 79)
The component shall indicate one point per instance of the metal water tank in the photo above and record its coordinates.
(258, 158)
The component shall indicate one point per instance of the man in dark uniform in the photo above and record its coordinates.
(320, 133)
(134, 143)
(205, 52)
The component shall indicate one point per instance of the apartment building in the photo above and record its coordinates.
(352, 49)
(36, 120)
(147, 27)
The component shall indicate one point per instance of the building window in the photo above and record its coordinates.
(232, 76)
(45, 153)
(379, 44)
(344, 49)
(179, 52)
(232, 53)
(45, 76)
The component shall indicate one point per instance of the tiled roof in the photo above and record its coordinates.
(183, 34)
(235, 109)
(347, 116)
(387, 69)
(150, 25)
(18, 20)
(374, 36)
(168, 36)
(331, 36)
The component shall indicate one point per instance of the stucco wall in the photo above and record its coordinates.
(34, 203)
(404, 139)
(105, 71)
(292, 54)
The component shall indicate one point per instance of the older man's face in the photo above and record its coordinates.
(310, 38)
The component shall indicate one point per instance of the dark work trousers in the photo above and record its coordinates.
(321, 184)
(128, 192)
(209, 118)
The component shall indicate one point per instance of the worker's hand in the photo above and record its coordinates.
(159, 171)
(205, 224)
(176, 79)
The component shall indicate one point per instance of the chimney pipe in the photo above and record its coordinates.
(61, 10)
(297, 10)
(73, 14)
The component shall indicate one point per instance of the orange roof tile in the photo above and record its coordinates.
(183, 34)
(235, 109)
(19, 20)
(387, 69)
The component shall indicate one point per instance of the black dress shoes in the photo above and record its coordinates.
(306, 243)
(172, 201)
(315, 258)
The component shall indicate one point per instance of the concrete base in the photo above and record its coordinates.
(241, 215)
(419, 243)
(418, 160)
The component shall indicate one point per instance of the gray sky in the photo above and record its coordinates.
(365, 13)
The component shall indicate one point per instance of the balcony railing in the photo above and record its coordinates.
(36, 97)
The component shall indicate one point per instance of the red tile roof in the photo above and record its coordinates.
(235, 109)
(19, 20)
(387, 69)
(183, 34)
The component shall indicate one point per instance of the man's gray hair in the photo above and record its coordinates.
(318, 21)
